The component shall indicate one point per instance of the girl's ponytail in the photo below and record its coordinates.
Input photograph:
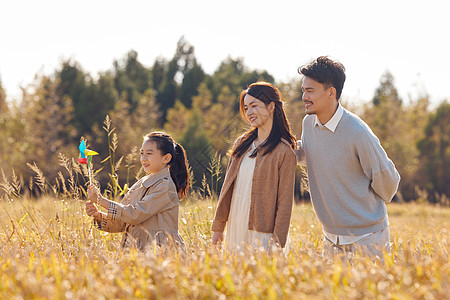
(179, 170)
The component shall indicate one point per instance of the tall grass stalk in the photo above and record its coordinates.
(113, 140)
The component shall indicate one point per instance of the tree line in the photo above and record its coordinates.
(113, 110)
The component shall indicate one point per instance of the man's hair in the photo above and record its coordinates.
(326, 71)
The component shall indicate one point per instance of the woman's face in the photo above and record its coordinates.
(257, 113)
(151, 158)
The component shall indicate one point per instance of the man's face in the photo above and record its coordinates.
(317, 99)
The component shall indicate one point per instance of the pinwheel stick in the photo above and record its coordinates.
(89, 154)
(89, 169)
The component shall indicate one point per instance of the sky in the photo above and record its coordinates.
(410, 39)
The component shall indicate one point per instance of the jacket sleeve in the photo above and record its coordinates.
(223, 207)
(110, 225)
(286, 182)
(379, 169)
(159, 199)
(113, 226)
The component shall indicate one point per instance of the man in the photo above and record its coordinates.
(350, 176)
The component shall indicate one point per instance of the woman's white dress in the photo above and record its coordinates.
(237, 235)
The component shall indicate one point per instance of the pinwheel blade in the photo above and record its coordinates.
(82, 149)
(88, 152)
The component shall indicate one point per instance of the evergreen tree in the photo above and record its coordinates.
(132, 79)
(435, 150)
(159, 70)
(190, 72)
(49, 116)
(407, 157)
(74, 83)
(177, 120)
(386, 91)
(384, 116)
(203, 101)
(233, 74)
(198, 146)
(166, 98)
(191, 81)
(182, 77)
(387, 107)
(248, 77)
(228, 74)
(15, 144)
(4, 134)
(295, 112)
(398, 129)
(106, 96)
(294, 106)
(222, 124)
(3, 103)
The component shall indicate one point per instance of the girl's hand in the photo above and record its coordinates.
(217, 238)
(93, 193)
(92, 211)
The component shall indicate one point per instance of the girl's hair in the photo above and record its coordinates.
(267, 93)
(178, 165)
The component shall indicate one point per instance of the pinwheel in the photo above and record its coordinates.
(86, 157)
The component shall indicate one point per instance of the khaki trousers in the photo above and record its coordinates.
(372, 246)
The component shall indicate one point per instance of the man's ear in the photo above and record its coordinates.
(332, 92)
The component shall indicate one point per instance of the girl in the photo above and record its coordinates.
(256, 199)
(149, 211)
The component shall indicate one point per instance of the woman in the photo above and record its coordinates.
(256, 199)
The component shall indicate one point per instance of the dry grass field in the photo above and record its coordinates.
(49, 250)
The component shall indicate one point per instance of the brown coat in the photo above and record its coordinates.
(149, 211)
(272, 192)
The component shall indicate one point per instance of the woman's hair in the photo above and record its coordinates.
(328, 72)
(178, 165)
(267, 93)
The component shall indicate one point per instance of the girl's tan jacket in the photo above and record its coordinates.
(272, 192)
(148, 212)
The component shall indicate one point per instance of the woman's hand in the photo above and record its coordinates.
(217, 238)
(92, 211)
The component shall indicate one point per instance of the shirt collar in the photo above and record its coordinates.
(334, 121)
(153, 178)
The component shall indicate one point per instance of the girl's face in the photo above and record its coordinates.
(257, 113)
(151, 158)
